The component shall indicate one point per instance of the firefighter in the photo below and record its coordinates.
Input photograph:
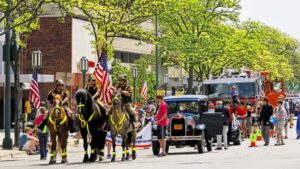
(65, 95)
(92, 87)
(126, 92)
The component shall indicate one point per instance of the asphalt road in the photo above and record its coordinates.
(236, 157)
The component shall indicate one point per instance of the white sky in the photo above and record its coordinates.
(281, 14)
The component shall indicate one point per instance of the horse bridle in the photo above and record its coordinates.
(54, 121)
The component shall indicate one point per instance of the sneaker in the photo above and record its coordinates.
(108, 156)
(282, 143)
(225, 148)
(218, 148)
(43, 158)
(266, 144)
(161, 155)
(285, 137)
(277, 144)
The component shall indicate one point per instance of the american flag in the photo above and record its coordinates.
(34, 95)
(102, 76)
(144, 91)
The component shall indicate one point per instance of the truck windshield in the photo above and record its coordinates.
(223, 90)
(183, 107)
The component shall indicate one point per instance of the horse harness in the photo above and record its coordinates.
(53, 122)
(85, 123)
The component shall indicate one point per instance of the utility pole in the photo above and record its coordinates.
(7, 141)
(156, 53)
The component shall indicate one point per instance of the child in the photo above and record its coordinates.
(28, 142)
(149, 117)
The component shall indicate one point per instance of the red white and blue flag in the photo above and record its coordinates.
(144, 91)
(34, 95)
(102, 76)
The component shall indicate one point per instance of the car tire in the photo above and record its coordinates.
(209, 145)
(155, 147)
(167, 148)
(201, 143)
(237, 143)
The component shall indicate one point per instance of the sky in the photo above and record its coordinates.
(281, 14)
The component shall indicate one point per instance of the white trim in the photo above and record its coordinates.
(26, 78)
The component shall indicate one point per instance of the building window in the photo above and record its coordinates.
(126, 57)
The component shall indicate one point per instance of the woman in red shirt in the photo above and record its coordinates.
(241, 114)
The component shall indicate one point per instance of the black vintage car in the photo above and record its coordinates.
(186, 126)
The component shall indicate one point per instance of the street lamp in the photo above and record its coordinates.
(36, 59)
(134, 75)
(166, 80)
(84, 67)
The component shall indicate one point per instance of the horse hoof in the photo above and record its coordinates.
(64, 161)
(133, 157)
(127, 158)
(101, 158)
(86, 159)
(52, 162)
(93, 158)
(123, 159)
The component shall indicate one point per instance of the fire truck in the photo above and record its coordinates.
(251, 86)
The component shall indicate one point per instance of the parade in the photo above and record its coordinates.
(148, 84)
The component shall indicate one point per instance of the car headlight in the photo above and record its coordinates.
(200, 127)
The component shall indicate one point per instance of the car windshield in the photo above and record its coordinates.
(223, 90)
(183, 107)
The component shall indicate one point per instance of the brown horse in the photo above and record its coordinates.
(58, 127)
(119, 124)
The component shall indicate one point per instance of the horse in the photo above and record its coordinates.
(119, 124)
(92, 120)
(58, 127)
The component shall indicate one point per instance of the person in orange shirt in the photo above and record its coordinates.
(241, 114)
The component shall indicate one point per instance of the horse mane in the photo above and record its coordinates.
(87, 99)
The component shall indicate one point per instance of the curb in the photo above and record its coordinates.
(11, 155)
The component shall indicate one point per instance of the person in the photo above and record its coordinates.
(161, 122)
(286, 106)
(281, 116)
(140, 113)
(27, 142)
(265, 114)
(92, 88)
(292, 111)
(226, 122)
(249, 118)
(149, 117)
(43, 133)
(298, 121)
(65, 95)
(234, 98)
(241, 114)
(219, 106)
(211, 107)
(126, 93)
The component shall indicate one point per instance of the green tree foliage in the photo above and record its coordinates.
(187, 23)
(116, 19)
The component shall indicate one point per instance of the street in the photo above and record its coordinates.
(236, 157)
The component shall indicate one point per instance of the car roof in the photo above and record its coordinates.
(229, 80)
(185, 98)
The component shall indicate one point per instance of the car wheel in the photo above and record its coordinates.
(155, 147)
(237, 143)
(201, 143)
(209, 145)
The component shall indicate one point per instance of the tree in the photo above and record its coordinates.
(116, 19)
(185, 23)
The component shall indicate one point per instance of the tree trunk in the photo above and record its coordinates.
(191, 79)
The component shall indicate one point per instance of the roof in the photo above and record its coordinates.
(185, 98)
(229, 80)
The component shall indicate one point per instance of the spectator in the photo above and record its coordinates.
(28, 142)
(234, 98)
(226, 123)
(219, 106)
(281, 116)
(43, 133)
(140, 113)
(298, 121)
(287, 109)
(264, 119)
(249, 119)
(161, 122)
(292, 111)
(149, 117)
(241, 113)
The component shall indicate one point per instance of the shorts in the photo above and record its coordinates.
(279, 129)
(26, 146)
(161, 132)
